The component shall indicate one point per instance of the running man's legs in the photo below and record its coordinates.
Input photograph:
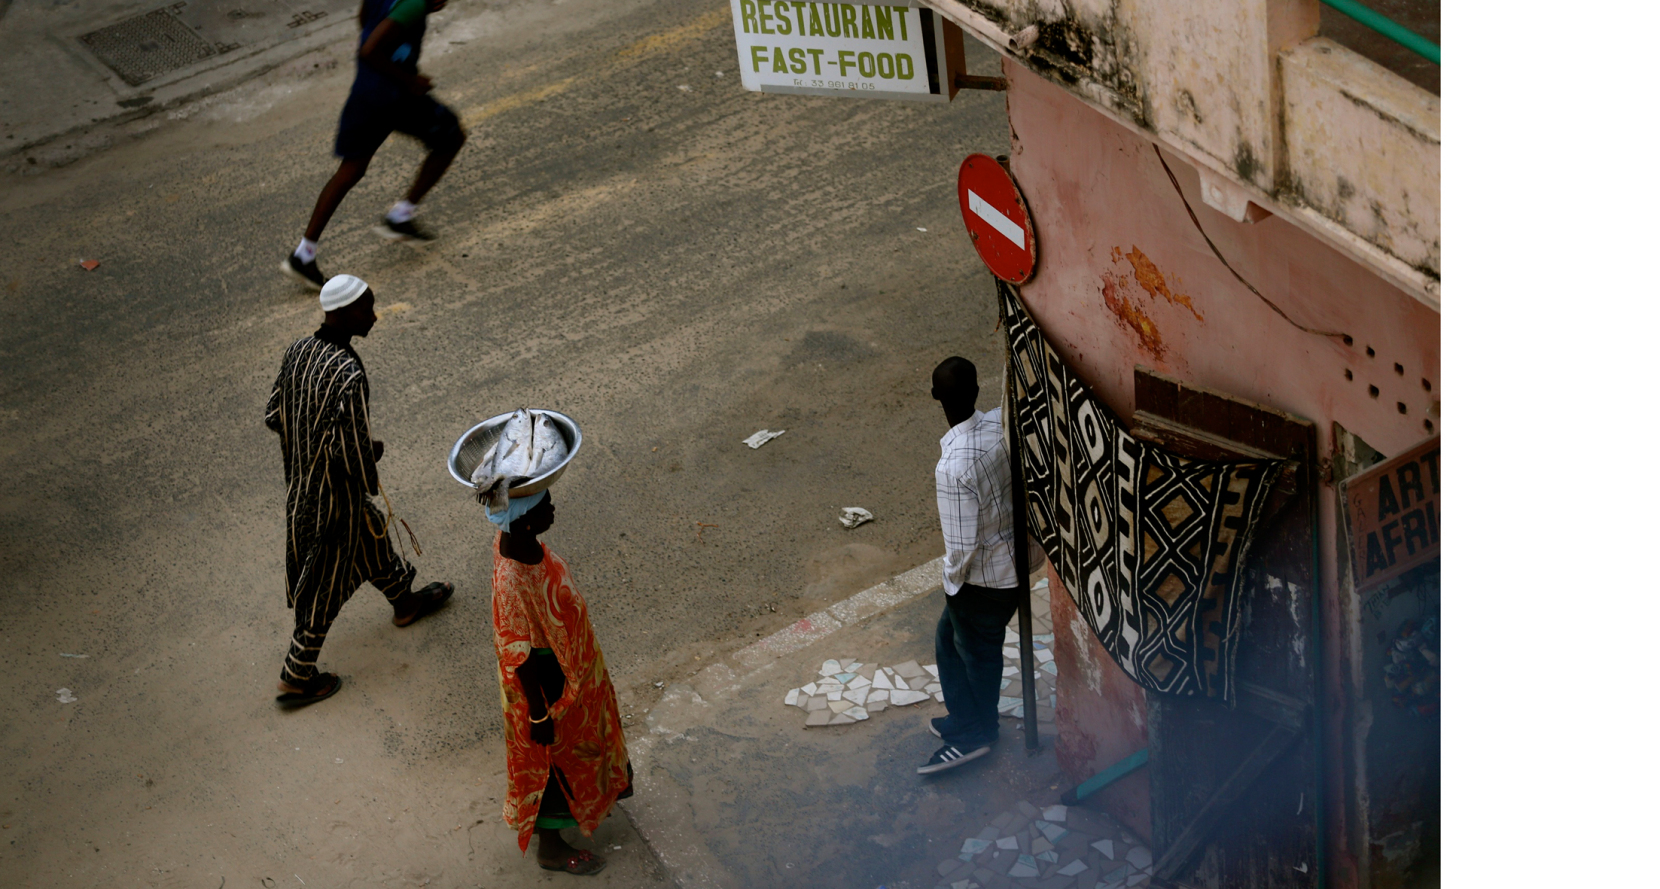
(350, 173)
(440, 130)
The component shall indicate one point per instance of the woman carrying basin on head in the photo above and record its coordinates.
(566, 761)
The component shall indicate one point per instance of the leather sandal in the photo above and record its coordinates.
(582, 863)
(315, 689)
(427, 600)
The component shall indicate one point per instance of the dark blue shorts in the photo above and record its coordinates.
(369, 117)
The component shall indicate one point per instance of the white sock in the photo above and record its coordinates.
(402, 211)
(307, 251)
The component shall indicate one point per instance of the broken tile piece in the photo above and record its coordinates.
(1048, 856)
(810, 689)
(859, 714)
(1055, 814)
(939, 696)
(1049, 667)
(817, 702)
(1044, 655)
(975, 845)
(900, 683)
(1041, 845)
(837, 705)
(851, 666)
(819, 717)
(856, 695)
(1012, 670)
(1008, 843)
(1075, 868)
(792, 697)
(830, 668)
(1139, 857)
(933, 670)
(859, 682)
(834, 694)
(881, 680)
(990, 834)
(1104, 847)
(1009, 652)
(1051, 832)
(1024, 866)
(876, 706)
(931, 687)
(877, 694)
(909, 670)
(902, 698)
(1115, 872)
(845, 678)
(1006, 703)
(868, 671)
(841, 719)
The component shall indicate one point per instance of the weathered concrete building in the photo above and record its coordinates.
(1239, 231)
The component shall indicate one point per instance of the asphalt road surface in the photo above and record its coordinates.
(628, 237)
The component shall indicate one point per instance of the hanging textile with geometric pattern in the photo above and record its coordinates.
(1150, 545)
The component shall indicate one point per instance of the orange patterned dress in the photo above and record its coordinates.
(535, 606)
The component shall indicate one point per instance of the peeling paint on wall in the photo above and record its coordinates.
(1084, 638)
(1129, 316)
(1152, 280)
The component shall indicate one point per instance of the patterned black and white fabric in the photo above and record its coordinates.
(1150, 545)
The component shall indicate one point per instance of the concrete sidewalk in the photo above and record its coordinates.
(66, 68)
(736, 791)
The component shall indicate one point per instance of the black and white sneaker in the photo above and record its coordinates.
(305, 271)
(949, 757)
(934, 726)
(402, 231)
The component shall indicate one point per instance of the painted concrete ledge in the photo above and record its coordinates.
(662, 813)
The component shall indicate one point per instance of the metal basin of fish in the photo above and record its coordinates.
(480, 440)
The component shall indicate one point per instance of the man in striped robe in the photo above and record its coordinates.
(337, 539)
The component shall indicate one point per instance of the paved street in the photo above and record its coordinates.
(629, 237)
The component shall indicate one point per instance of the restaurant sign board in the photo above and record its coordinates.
(890, 50)
(1394, 515)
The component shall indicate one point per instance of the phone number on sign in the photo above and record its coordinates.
(834, 84)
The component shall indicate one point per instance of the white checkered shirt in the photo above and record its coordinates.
(976, 500)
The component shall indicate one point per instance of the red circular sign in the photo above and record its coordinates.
(996, 217)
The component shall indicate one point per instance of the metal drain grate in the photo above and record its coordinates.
(147, 46)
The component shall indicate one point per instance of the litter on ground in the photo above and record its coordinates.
(854, 516)
(762, 437)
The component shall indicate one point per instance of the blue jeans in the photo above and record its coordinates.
(969, 648)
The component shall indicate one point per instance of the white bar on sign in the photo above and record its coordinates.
(1004, 225)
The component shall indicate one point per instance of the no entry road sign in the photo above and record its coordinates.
(997, 220)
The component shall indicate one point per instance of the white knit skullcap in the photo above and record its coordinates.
(341, 291)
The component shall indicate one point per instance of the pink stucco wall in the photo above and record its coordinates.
(1111, 228)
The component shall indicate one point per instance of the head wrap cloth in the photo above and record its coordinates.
(516, 507)
(341, 291)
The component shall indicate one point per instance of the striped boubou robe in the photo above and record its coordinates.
(337, 539)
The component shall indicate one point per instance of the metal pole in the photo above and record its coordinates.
(1028, 688)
